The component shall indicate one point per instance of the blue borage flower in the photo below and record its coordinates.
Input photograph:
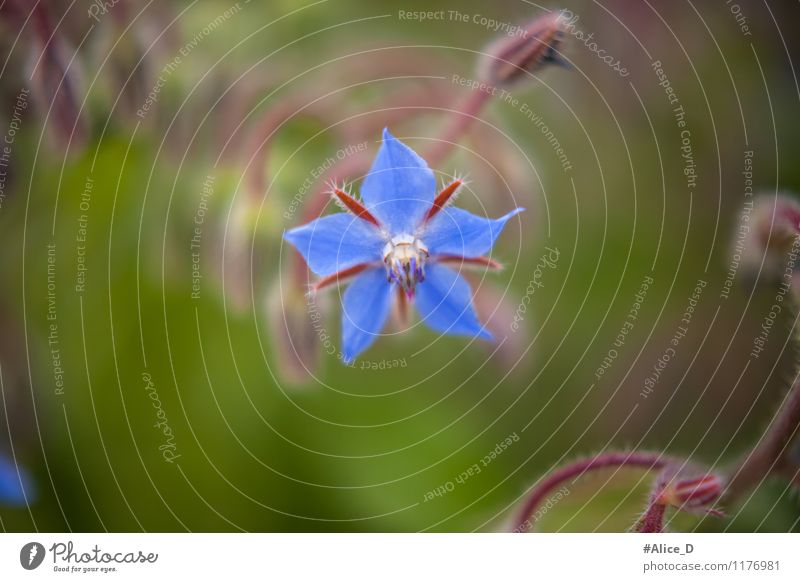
(397, 243)
(14, 483)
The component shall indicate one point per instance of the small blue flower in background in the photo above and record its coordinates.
(397, 244)
(14, 484)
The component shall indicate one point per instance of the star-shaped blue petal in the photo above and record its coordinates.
(365, 306)
(337, 242)
(454, 231)
(445, 303)
(400, 186)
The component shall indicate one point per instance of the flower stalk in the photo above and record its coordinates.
(770, 454)
(524, 520)
(777, 227)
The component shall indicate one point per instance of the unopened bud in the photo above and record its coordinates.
(692, 493)
(778, 220)
(768, 229)
(530, 48)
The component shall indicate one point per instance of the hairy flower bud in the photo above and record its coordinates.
(768, 229)
(693, 493)
(524, 49)
(673, 489)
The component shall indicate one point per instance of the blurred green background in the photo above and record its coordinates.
(360, 449)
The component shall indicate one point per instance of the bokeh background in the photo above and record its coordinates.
(269, 432)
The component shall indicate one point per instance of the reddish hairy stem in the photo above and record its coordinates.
(461, 120)
(768, 454)
(605, 460)
(42, 23)
(260, 140)
(653, 519)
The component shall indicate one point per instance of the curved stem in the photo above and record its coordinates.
(460, 121)
(768, 454)
(604, 460)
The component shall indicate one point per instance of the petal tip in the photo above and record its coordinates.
(350, 353)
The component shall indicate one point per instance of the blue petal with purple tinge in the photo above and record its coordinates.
(444, 301)
(454, 231)
(336, 242)
(399, 188)
(365, 307)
